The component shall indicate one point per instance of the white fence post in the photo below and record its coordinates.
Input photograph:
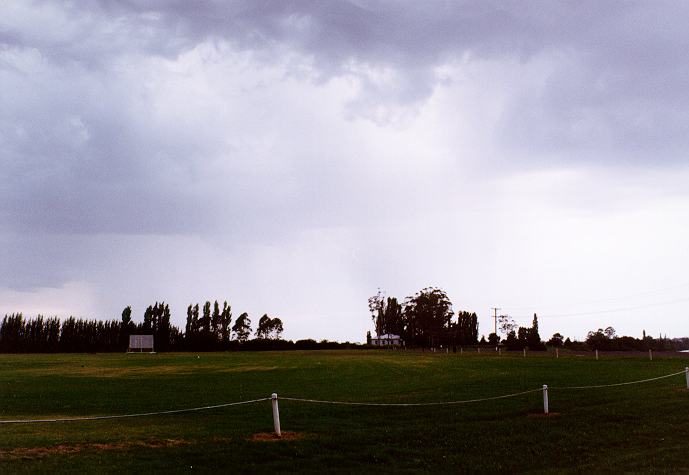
(650, 355)
(686, 373)
(276, 414)
(545, 399)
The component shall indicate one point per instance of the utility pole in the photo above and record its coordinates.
(495, 318)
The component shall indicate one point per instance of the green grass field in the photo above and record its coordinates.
(635, 428)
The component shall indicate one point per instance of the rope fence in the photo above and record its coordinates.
(410, 404)
(140, 414)
(276, 413)
(626, 383)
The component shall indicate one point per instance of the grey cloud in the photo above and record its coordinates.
(406, 36)
(81, 154)
(410, 37)
(624, 74)
(75, 161)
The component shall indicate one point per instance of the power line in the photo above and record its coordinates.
(612, 310)
(607, 299)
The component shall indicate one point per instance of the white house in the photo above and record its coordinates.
(387, 339)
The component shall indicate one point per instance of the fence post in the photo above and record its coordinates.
(686, 373)
(524, 350)
(478, 349)
(557, 352)
(461, 350)
(650, 355)
(276, 414)
(545, 399)
(596, 355)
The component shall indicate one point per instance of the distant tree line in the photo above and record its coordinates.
(519, 338)
(425, 319)
(207, 330)
(607, 340)
(50, 335)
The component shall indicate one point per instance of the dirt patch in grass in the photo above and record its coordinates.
(137, 371)
(542, 415)
(26, 453)
(247, 369)
(107, 372)
(271, 437)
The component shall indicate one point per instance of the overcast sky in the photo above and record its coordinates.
(291, 157)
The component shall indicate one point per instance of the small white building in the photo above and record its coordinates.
(387, 339)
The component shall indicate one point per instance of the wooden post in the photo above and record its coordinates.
(524, 350)
(686, 373)
(650, 355)
(557, 352)
(596, 355)
(545, 399)
(276, 414)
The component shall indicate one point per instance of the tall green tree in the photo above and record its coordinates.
(164, 331)
(225, 322)
(264, 325)
(466, 328)
(147, 326)
(127, 327)
(533, 338)
(195, 320)
(269, 328)
(276, 328)
(427, 317)
(215, 321)
(187, 327)
(376, 305)
(393, 321)
(11, 333)
(206, 320)
(242, 327)
(386, 314)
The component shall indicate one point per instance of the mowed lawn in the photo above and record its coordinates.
(642, 427)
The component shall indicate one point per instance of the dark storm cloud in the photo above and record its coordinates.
(75, 160)
(620, 82)
(81, 151)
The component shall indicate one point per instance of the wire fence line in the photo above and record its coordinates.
(619, 384)
(140, 414)
(466, 401)
(410, 404)
(274, 399)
